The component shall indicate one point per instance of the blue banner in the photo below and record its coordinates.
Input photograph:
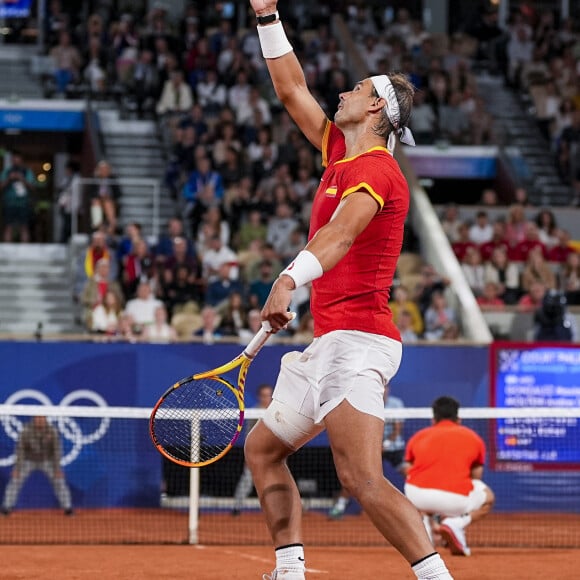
(15, 8)
(113, 463)
(41, 120)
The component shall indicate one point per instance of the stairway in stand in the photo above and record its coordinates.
(524, 145)
(135, 152)
(15, 71)
(35, 290)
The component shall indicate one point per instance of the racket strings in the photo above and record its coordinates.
(198, 421)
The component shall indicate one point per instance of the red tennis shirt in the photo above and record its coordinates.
(442, 457)
(354, 295)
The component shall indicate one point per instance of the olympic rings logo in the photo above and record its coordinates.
(67, 426)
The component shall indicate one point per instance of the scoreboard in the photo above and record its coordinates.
(543, 376)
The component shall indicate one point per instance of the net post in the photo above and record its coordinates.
(193, 505)
(194, 483)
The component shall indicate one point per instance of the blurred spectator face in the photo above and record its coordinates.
(98, 240)
(463, 232)
(499, 230)
(182, 275)
(531, 231)
(283, 210)
(547, 219)
(490, 291)
(175, 227)
(144, 291)
(451, 213)
(537, 291)
(140, 248)
(489, 197)
(110, 300)
(255, 218)
(404, 320)
(499, 256)
(473, 257)
(264, 396)
(254, 320)
(517, 213)
(203, 165)
(176, 78)
(209, 318)
(536, 257)
(215, 243)
(521, 196)
(573, 261)
(103, 170)
(103, 268)
(401, 295)
(428, 273)
(266, 270)
(160, 315)
(481, 219)
(438, 301)
(235, 300)
(132, 231)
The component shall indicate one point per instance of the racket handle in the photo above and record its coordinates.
(261, 337)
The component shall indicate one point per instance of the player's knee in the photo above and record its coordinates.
(356, 482)
(260, 449)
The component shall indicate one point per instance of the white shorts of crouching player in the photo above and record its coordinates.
(446, 503)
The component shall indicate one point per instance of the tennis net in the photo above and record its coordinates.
(123, 491)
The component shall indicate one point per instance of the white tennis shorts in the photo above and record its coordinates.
(446, 503)
(341, 365)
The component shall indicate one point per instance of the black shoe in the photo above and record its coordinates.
(68, 512)
(6, 511)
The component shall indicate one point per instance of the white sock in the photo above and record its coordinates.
(290, 558)
(460, 521)
(431, 568)
(341, 503)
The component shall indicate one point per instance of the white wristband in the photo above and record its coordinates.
(273, 40)
(304, 268)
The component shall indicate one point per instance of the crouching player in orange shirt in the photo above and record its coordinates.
(445, 467)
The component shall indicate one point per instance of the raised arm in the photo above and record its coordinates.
(288, 76)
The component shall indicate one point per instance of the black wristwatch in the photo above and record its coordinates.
(268, 18)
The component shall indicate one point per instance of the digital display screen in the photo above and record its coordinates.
(534, 375)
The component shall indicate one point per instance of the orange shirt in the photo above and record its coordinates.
(442, 457)
(354, 295)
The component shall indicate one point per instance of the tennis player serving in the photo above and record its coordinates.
(338, 382)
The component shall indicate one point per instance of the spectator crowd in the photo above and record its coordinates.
(241, 176)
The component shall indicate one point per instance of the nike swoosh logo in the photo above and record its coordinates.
(301, 559)
(323, 403)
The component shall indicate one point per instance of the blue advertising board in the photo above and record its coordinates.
(542, 376)
(15, 8)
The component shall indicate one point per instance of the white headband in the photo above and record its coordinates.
(385, 90)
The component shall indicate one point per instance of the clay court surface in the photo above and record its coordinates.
(498, 544)
(248, 563)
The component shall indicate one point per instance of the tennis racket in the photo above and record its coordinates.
(199, 419)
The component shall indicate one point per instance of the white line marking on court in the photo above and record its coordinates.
(267, 561)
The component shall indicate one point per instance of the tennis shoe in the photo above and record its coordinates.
(336, 512)
(455, 538)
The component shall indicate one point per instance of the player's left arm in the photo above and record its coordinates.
(332, 241)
